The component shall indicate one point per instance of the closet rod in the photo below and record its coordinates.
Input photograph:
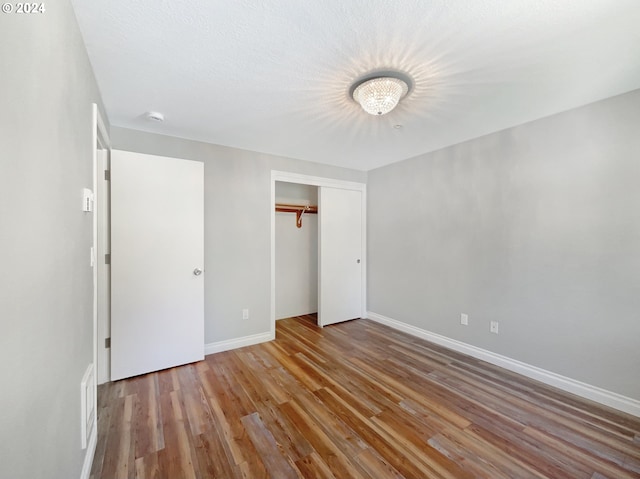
(299, 210)
(287, 208)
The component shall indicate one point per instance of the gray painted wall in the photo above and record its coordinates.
(46, 290)
(537, 227)
(237, 225)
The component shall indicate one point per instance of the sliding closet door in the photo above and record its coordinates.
(340, 255)
(157, 256)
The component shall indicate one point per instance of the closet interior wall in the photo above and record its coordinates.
(296, 252)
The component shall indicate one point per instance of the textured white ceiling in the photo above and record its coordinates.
(274, 75)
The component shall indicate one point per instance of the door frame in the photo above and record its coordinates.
(100, 142)
(288, 177)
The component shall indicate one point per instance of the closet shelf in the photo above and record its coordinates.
(299, 210)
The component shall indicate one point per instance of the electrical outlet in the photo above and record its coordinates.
(494, 327)
(245, 314)
(464, 319)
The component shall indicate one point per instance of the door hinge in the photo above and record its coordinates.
(107, 343)
(107, 175)
(107, 258)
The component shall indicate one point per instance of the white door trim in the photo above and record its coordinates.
(99, 141)
(315, 181)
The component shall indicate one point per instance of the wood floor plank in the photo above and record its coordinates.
(197, 408)
(147, 418)
(583, 434)
(313, 466)
(176, 458)
(104, 425)
(593, 462)
(424, 398)
(214, 459)
(227, 423)
(376, 466)
(557, 464)
(417, 447)
(147, 467)
(125, 462)
(109, 440)
(288, 437)
(391, 451)
(474, 464)
(254, 381)
(360, 400)
(336, 460)
(493, 453)
(276, 463)
(340, 433)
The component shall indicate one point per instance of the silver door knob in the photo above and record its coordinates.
(197, 271)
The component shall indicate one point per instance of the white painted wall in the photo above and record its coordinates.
(296, 253)
(46, 287)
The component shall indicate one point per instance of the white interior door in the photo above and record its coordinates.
(340, 255)
(157, 251)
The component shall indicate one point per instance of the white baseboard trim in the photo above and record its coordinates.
(88, 457)
(587, 391)
(236, 343)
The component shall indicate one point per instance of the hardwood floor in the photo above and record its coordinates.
(354, 400)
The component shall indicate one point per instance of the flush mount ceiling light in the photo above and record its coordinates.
(380, 95)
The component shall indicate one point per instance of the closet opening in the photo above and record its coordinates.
(296, 250)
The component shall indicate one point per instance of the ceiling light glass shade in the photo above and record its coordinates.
(380, 95)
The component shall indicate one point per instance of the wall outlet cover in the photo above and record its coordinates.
(494, 327)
